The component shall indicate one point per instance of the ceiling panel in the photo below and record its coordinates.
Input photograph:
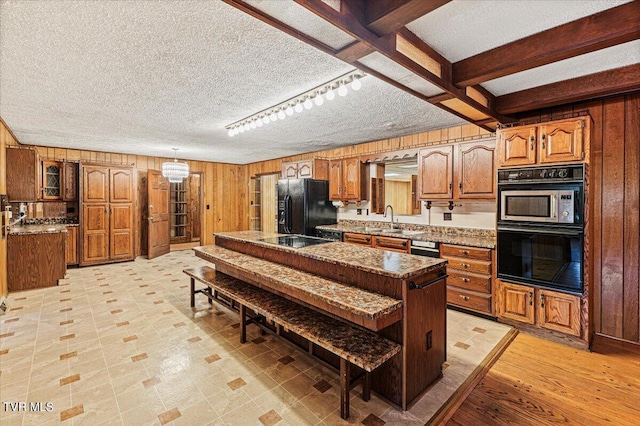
(463, 28)
(385, 66)
(589, 63)
(301, 19)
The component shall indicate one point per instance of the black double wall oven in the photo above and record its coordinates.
(540, 233)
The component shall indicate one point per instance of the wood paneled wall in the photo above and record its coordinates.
(6, 138)
(225, 188)
(433, 137)
(614, 189)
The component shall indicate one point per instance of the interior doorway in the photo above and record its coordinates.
(263, 202)
(185, 209)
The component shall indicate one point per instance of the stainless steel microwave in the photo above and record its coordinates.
(539, 205)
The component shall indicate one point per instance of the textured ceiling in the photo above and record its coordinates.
(142, 77)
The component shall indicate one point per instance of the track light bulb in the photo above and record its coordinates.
(259, 122)
(308, 104)
(298, 107)
(281, 115)
(289, 110)
(266, 119)
(342, 90)
(318, 99)
(355, 84)
(273, 116)
(330, 95)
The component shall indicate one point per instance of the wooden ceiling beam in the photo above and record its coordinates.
(384, 17)
(350, 20)
(601, 30)
(605, 83)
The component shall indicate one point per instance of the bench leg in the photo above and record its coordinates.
(193, 292)
(345, 381)
(366, 387)
(243, 325)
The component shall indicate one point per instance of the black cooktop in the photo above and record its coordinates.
(295, 241)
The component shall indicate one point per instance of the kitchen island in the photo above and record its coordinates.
(399, 296)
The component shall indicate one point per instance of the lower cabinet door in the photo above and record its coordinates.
(515, 302)
(559, 312)
(121, 233)
(95, 231)
(71, 247)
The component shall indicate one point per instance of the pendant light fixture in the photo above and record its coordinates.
(174, 170)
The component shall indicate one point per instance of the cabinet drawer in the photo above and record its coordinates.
(395, 244)
(480, 283)
(357, 239)
(477, 266)
(465, 251)
(469, 300)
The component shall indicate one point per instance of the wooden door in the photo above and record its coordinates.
(70, 176)
(476, 171)
(335, 180)
(195, 206)
(515, 302)
(95, 233)
(158, 214)
(305, 169)
(289, 170)
(121, 185)
(269, 202)
(71, 246)
(435, 168)
(559, 312)
(52, 178)
(95, 184)
(121, 231)
(517, 146)
(561, 141)
(351, 179)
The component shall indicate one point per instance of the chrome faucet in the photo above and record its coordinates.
(389, 206)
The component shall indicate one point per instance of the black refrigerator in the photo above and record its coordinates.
(304, 204)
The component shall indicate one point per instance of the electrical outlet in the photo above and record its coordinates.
(429, 339)
(447, 216)
(359, 211)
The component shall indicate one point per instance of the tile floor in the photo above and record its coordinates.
(119, 344)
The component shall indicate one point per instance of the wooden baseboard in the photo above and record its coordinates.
(447, 410)
(604, 344)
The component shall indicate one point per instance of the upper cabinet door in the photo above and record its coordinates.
(561, 141)
(335, 180)
(476, 172)
(518, 146)
(435, 168)
(121, 186)
(289, 170)
(95, 184)
(70, 181)
(51, 180)
(305, 169)
(351, 179)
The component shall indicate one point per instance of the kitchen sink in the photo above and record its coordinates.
(408, 232)
(372, 229)
(392, 231)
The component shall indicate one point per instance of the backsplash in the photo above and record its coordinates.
(448, 230)
(467, 215)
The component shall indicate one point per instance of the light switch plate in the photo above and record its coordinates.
(447, 216)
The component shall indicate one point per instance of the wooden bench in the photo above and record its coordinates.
(354, 345)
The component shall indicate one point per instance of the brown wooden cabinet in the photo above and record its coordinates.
(553, 142)
(545, 308)
(458, 172)
(71, 246)
(52, 180)
(470, 282)
(360, 239)
(107, 214)
(70, 180)
(35, 260)
(435, 168)
(348, 180)
(316, 168)
(23, 174)
(401, 245)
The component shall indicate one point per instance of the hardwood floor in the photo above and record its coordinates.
(536, 382)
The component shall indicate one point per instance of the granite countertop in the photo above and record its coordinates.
(458, 236)
(381, 262)
(293, 281)
(38, 229)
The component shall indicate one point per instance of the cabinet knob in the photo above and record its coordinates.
(465, 280)
(463, 297)
(542, 300)
(464, 251)
(530, 298)
(465, 265)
